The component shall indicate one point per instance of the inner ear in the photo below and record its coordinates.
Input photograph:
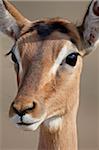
(96, 8)
(11, 20)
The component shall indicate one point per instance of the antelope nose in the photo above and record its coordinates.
(21, 108)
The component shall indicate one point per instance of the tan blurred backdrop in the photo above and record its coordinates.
(12, 138)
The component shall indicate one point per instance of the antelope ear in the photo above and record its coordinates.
(11, 20)
(89, 30)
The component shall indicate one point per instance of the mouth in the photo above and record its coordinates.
(26, 124)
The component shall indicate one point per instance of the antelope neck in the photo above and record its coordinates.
(65, 138)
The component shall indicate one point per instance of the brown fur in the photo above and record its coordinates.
(39, 43)
(15, 13)
(53, 96)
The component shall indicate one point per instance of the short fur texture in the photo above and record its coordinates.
(46, 99)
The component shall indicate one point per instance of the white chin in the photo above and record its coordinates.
(28, 123)
(32, 127)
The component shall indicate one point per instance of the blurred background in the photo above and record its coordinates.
(12, 138)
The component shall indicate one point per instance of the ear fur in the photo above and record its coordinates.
(11, 20)
(89, 30)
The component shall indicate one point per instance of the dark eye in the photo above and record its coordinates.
(13, 57)
(71, 59)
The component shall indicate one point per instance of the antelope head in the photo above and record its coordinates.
(48, 57)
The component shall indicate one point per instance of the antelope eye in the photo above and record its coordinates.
(16, 64)
(13, 57)
(71, 59)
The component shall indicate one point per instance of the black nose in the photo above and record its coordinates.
(23, 110)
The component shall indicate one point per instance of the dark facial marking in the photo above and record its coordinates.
(45, 29)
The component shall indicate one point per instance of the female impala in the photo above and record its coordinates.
(48, 61)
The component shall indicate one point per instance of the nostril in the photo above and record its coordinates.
(23, 109)
(17, 111)
(14, 108)
(31, 107)
(34, 105)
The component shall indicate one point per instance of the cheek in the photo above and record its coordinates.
(55, 106)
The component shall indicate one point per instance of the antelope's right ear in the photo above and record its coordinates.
(11, 20)
(89, 29)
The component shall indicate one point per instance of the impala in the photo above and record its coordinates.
(48, 58)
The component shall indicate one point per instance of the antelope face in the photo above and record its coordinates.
(47, 56)
(48, 66)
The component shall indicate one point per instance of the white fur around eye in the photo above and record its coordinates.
(65, 51)
(17, 55)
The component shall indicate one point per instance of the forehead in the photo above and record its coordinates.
(49, 32)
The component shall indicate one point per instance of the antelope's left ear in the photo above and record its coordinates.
(11, 20)
(89, 30)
